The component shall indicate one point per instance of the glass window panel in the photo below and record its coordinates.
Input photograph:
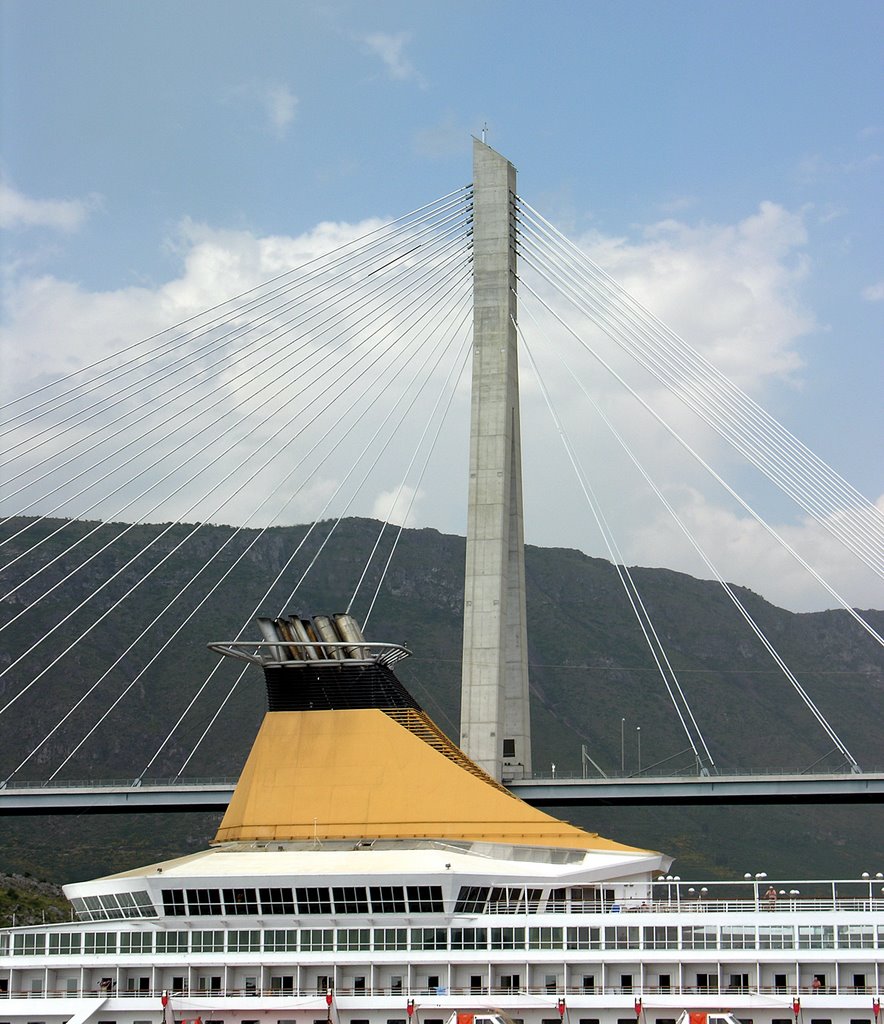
(469, 938)
(313, 900)
(425, 899)
(856, 936)
(277, 901)
(241, 902)
(737, 936)
(317, 940)
(699, 937)
(428, 938)
(387, 899)
(397, 938)
(171, 942)
(776, 936)
(471, 899)
(242, 940)
(584, 938)
(622, 938)
(507, 938)
(350, 899)
(173, 903)
(65, 943)
(100, 942)
(816, 936)
(204, 902)
(207, 941)
(350, 939)
(136, 942)
(280, 940)
(546, 938)
(29, 944)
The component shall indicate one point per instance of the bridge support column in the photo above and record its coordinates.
(495, 718)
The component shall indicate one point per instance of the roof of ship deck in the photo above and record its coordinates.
(415, 861)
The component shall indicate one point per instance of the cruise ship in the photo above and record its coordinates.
(368, 872)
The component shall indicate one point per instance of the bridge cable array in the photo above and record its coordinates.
(239, 411)
(754, 433)
(431, 258)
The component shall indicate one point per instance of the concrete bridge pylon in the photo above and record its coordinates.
(495, 715)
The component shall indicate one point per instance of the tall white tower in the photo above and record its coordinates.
(495, 717)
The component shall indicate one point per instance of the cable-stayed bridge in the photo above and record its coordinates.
(338, 389)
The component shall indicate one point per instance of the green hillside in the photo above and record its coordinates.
(589, 670)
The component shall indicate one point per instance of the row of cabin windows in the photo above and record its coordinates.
(343, 899)
(380, 899)
(272, 940)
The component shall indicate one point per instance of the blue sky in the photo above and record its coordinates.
(125, 124)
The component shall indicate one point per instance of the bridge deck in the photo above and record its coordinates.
(201, 795)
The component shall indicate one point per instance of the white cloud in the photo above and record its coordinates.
(397, 506)
(874, 292)
(816, 167)
(732, 290)
(20, 211)
(275, 100)
(390, 47)
(281, 106)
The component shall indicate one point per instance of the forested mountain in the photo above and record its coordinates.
(588, 664)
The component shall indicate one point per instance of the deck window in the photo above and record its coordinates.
(699, 937)
(507, 938)
(242, 940)
(424, 899)
(816, 936)
(506, 900)
(546, 938)
(172, 942)
(469, 938)
(397, 938)
(241, 902)
(350, 899)
(586, 899)
(101, 942)
(428, 938)
(29, 945)
(584, 938)
(351, 939)
(856, 936)
(471, 899)
(738, 936)
(136, 942)
(313, 900)
(173, 903)
(277, 901)
(280, 940)
(621, 938)
(204, 902)
(776, 936)
(207, 942)
(317, 940)
(661, 937)
(387, 899)
(65, 943)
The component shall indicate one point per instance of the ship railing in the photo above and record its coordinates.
(551, 992)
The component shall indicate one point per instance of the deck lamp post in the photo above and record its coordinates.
(759, 876)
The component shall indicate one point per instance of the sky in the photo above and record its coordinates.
(723, 160)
